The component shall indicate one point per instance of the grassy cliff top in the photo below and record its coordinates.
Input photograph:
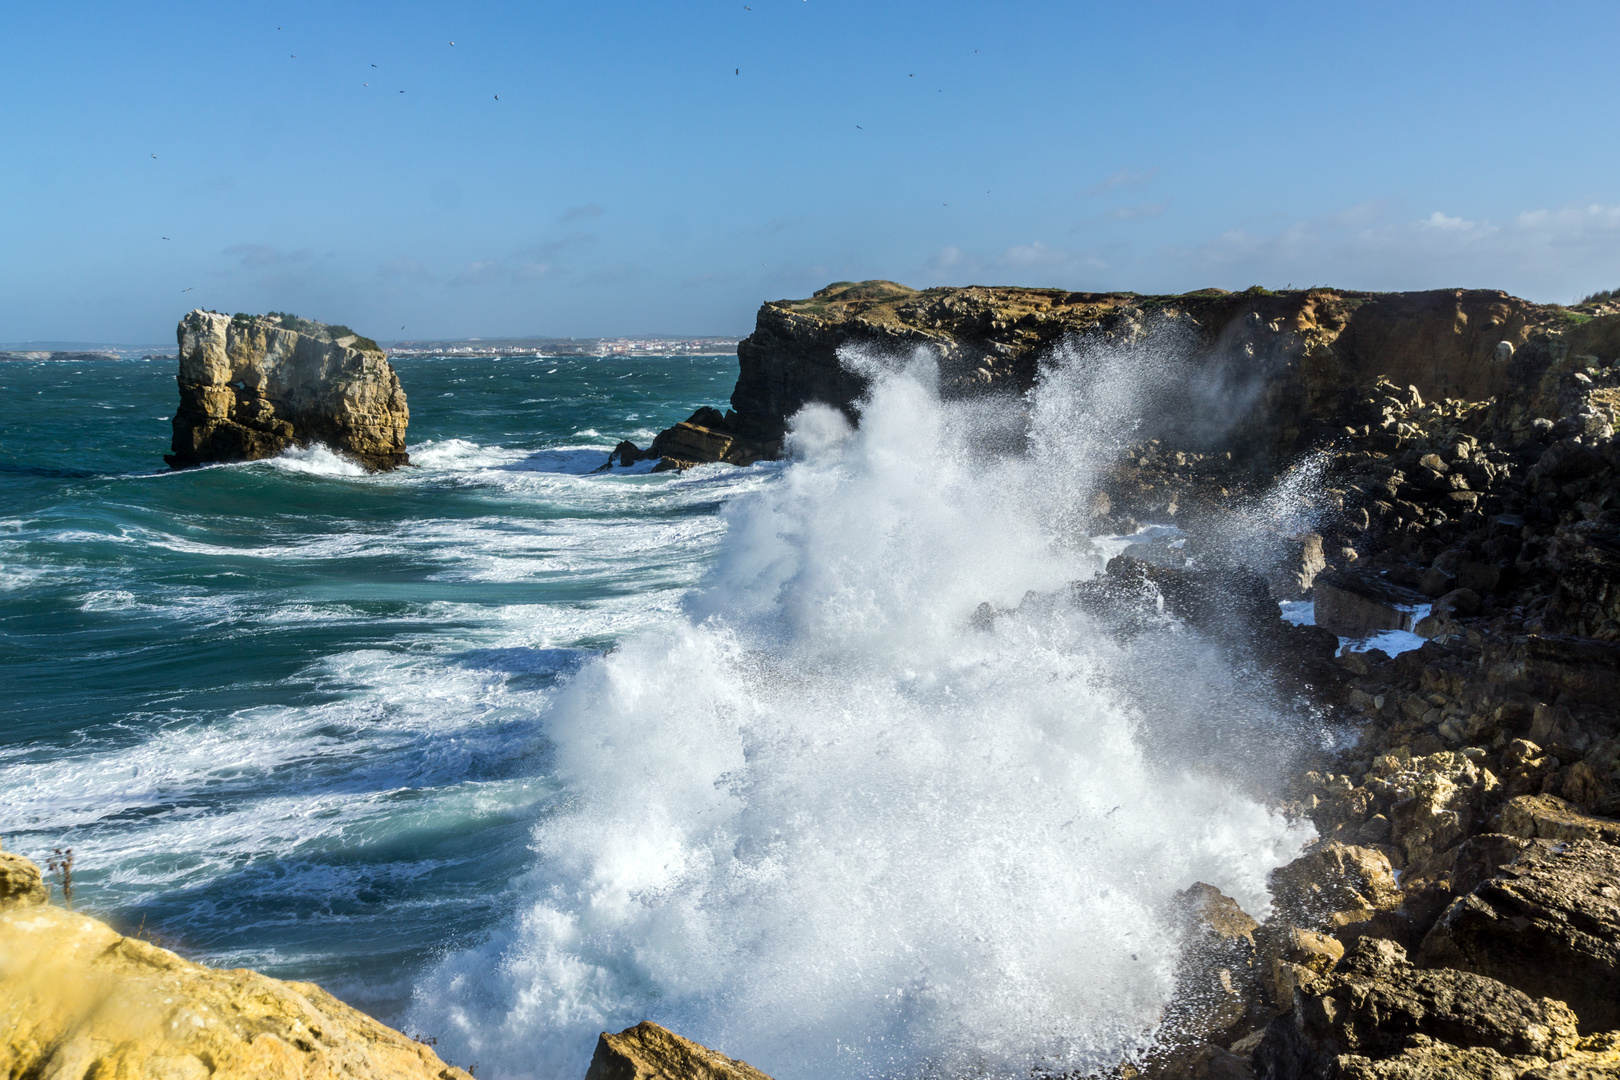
(286, 320)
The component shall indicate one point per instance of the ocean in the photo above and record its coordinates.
(508, 752)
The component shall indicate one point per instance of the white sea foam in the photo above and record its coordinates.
(317, 460)
(823, 824)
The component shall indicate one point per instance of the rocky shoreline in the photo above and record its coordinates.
(1460, 914)
(1449, 468)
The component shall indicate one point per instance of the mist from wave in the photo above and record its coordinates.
(822, 821)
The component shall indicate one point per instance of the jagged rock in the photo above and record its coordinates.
(251, 386)
(1375, 1006)
(1353, 603)
(20, 882)
(1547, 817)
(1335, 880)
(1215, 983)
(650, 1052)
(1547, 923)
(1291, 957)
(78, 999)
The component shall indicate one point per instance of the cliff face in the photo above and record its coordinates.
(78, 999)
(252, 386)
(1289, 364)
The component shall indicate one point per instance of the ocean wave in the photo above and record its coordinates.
(316, 461)
(821, 821)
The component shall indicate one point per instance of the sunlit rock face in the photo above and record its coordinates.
(79, 999)
(254, 386)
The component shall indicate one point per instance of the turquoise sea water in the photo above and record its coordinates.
(510, 752)
(284, 713)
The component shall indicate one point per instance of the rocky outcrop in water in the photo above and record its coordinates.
(252, 386)
(78, 999)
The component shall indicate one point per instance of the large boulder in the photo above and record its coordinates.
(1376, 1006)
(650, 1052)
(78, 999)
(21, 884)
(1548, 923)
(252, 386)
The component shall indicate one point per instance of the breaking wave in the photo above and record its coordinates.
(823, 822)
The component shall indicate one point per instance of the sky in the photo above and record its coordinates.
(419, 170)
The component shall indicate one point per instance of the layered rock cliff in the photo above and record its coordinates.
(1274, 371)
(78, 999)
(251, 386)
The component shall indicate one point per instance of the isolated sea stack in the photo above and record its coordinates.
(252, 386)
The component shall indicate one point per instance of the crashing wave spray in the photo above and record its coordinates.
(824, 824)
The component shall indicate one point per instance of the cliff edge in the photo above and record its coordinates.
(1290, 363)
(78, 999)
(252, 386)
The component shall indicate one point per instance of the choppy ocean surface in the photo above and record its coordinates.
(509, 752)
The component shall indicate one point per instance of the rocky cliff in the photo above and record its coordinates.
(1272, 371)
(78, 999)
(251, 386)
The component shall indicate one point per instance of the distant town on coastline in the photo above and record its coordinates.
(643, 346)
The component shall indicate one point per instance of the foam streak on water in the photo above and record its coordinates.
(821, 822)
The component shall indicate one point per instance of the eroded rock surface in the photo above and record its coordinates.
(650, 1052)
(1376, 1006)
(78, 999)
(1548, 922)
(251, 386)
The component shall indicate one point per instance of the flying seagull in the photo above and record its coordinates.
(497, 97)
(188, 290)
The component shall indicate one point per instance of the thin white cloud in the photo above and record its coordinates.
(1138, 212)
(482, 272)
(404, 268)
(1122, 178)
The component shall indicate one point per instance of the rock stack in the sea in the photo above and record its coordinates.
(253, 386)
(79, 999)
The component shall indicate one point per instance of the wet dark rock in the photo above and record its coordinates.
(1547, 922)
(1375, 1006)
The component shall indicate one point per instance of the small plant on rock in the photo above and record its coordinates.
(61, 864)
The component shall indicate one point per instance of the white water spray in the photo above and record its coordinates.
(825, 825)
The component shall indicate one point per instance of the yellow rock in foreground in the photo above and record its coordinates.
(78, 999)
(650, 1052)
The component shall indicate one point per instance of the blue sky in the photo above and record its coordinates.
(664, 167)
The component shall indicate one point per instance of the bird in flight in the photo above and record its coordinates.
(497, 97)
(452, 43)
(163, 238)
(373, 65)
(737, 72)
(859, 128)
(154, 157)
(188, 290)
